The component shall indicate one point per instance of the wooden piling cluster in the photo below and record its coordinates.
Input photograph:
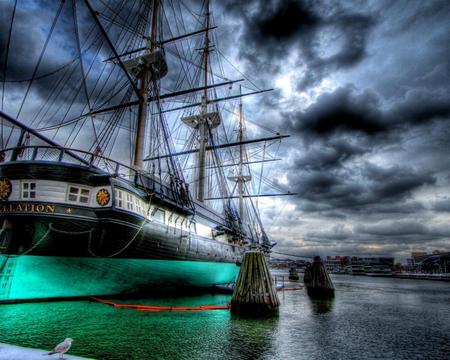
(317, 280)
(254, 292)
(293, 274)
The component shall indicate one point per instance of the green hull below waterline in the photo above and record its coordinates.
(47, 277)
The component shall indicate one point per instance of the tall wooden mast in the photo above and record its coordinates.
(141, 121)
(205, 120)
(149, 67)
(240, 178)
(241, 159)
(203, 124)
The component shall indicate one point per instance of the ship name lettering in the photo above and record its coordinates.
(42, 208)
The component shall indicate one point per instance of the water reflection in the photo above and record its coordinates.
(368, 316)
(252, 338)
(321, 305)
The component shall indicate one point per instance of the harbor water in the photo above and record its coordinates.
(369, 318)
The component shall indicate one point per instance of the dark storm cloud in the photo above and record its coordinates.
(328, 156)
(401, 208)
(382, 232)
(345, 111)
(421, 106)
(341, 110)
(397, 208)
(272, 29)
(354, 29)
(283, 20)
(341, 127)
(336, 233)
(362, 188)
(400, 228)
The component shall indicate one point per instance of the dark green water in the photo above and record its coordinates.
(370, 318)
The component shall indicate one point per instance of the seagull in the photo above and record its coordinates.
(62, 348)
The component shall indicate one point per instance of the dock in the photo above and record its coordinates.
(422, 276)
(9, 352)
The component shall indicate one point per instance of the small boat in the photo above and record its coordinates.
(378, 271)
(355, 270)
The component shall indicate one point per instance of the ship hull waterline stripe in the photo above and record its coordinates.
(45, 277)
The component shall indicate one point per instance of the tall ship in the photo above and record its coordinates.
(124, 162)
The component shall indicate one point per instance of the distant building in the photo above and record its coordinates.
(370, 261)
(334, 264)
(339, 263)
(437, 262)
(286, 263)
(409, 265)
(418, 256)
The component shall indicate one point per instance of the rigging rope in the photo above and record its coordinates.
(45, 75)
(261, 175)
(55, 19)
(6, 57)
(293, 255)
(107, 133)
(83, 75)
(37, 243)
(136, 234)
(67, 232)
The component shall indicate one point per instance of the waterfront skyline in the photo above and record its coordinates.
(362, 87)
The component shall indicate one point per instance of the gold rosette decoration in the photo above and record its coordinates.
(5, 188)
(103, 197)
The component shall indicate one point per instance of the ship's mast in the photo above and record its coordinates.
(141, 121)
(205, 120)
(203, 124)
(144, 78)
(241, 179)
(241, 159)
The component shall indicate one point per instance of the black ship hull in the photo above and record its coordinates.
(61, 249)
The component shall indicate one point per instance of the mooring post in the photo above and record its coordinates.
(317, 281)
(254, 292)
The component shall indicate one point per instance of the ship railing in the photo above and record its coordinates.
(67, 155)
(94, 160)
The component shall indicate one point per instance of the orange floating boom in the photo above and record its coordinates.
(162, 308)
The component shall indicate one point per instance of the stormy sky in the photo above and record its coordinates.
(363, 88)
